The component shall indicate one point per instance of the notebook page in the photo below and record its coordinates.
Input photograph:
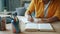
(23, 19)
(45, 26)
(31, 26)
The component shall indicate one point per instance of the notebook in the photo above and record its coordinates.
(39, 27)
(23, 19)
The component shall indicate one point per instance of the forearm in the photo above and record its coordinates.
(53, 19)
(31, 8)
(49, 20)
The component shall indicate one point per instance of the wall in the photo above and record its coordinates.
(22, 2)
(13, 4)
(1, 5)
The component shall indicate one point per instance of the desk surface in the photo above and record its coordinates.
(56, 26)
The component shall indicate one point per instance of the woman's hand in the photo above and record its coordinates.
(29, 18)
(50, 20)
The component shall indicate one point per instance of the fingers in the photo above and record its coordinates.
(31, 19)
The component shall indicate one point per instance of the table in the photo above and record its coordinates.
(56, 26)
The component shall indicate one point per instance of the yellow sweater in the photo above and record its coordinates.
(38, 6)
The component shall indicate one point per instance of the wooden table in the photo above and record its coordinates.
(56, 26)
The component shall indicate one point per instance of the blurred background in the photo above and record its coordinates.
(12, 6)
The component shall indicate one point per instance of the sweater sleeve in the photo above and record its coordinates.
(57, 13)
(30, 8)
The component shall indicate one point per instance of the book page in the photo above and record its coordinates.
(45, 27)
(23, 19)
(31, 26)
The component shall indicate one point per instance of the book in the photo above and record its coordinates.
(23, 19)
(45, 27)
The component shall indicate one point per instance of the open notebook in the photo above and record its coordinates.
(39, 27)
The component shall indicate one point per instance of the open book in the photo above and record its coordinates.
(39, 27)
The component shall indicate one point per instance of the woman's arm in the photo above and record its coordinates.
(30, 9)
(56, 16)
(50, 20)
